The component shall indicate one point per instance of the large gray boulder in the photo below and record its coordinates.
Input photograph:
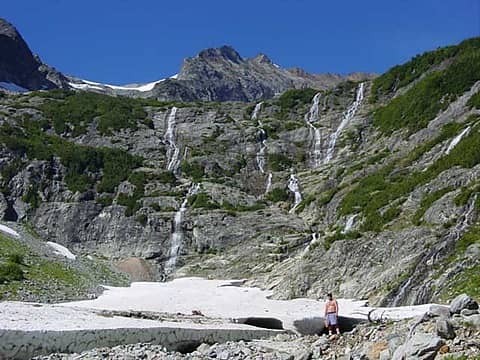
(473, 320)
(420, 346)
(461, 302)
(445, 329)
(439, 311)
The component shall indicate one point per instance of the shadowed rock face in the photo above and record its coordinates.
(19, 66)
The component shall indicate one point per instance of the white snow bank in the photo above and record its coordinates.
(9, 231)
(12, 87)
(47, 317)
(214, 299)
(86, 85)
(61, 250)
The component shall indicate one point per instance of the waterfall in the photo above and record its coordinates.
(294, 187)
(268, 183)
(311, 117)
(177, 234)
(314, 240)
(457, 139)
(257, 109)
(172, 151)
(349, 224)
(347, 116)
(261, 157)
(261, 154)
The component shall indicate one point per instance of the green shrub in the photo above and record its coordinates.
(377, 190)
(465, 194)
(142, 219)
(10, 271)
(472, 236)
(402, 75)
(202, 200)
(131, 202)
(307, 200)
(76, 110)
(427, 202)
(242, 208)
(326, 197)
(195, 170)
(279, 162)
(421, 103)
(16, 258)
(277, 194)
(85, 165)
(32, 197)
(295, 97)
(339, 235)
(105, 200)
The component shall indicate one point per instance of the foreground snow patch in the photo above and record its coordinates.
(220, 298)
(12, 87)
(6, 230)
(61, 250)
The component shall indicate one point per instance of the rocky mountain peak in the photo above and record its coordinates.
(222, 53)
(263, 59)
(19, 68)
(7, 29)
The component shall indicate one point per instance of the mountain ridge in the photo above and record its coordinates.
(214, 74)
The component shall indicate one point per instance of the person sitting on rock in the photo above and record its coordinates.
(331, 315)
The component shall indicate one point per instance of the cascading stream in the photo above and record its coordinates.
(177, 234)
(457, 139)
(261, 155)
(268, 183)
(173, 151)
(293, 186)
(347, 116)
(256, 111)
(310, 118)
(349, 224)
(315, 239)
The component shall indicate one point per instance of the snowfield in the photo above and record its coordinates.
(92, 85)
(9, 231)
(61, 250)
(218, 298)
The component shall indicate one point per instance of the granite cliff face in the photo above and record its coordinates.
(19, 68)
(368, 189)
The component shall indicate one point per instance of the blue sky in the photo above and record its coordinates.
(125, 41)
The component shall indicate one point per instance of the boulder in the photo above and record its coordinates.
(445, 329)
(468, 312)
(473, 320)
(461, 302)
(420, 346)
(439, 311)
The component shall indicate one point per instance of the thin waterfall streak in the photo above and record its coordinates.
(347, 116)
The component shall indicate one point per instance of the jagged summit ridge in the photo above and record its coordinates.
(214, 74)
(19, 68)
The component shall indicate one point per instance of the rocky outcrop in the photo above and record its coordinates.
(462, 302)
(19, 68)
